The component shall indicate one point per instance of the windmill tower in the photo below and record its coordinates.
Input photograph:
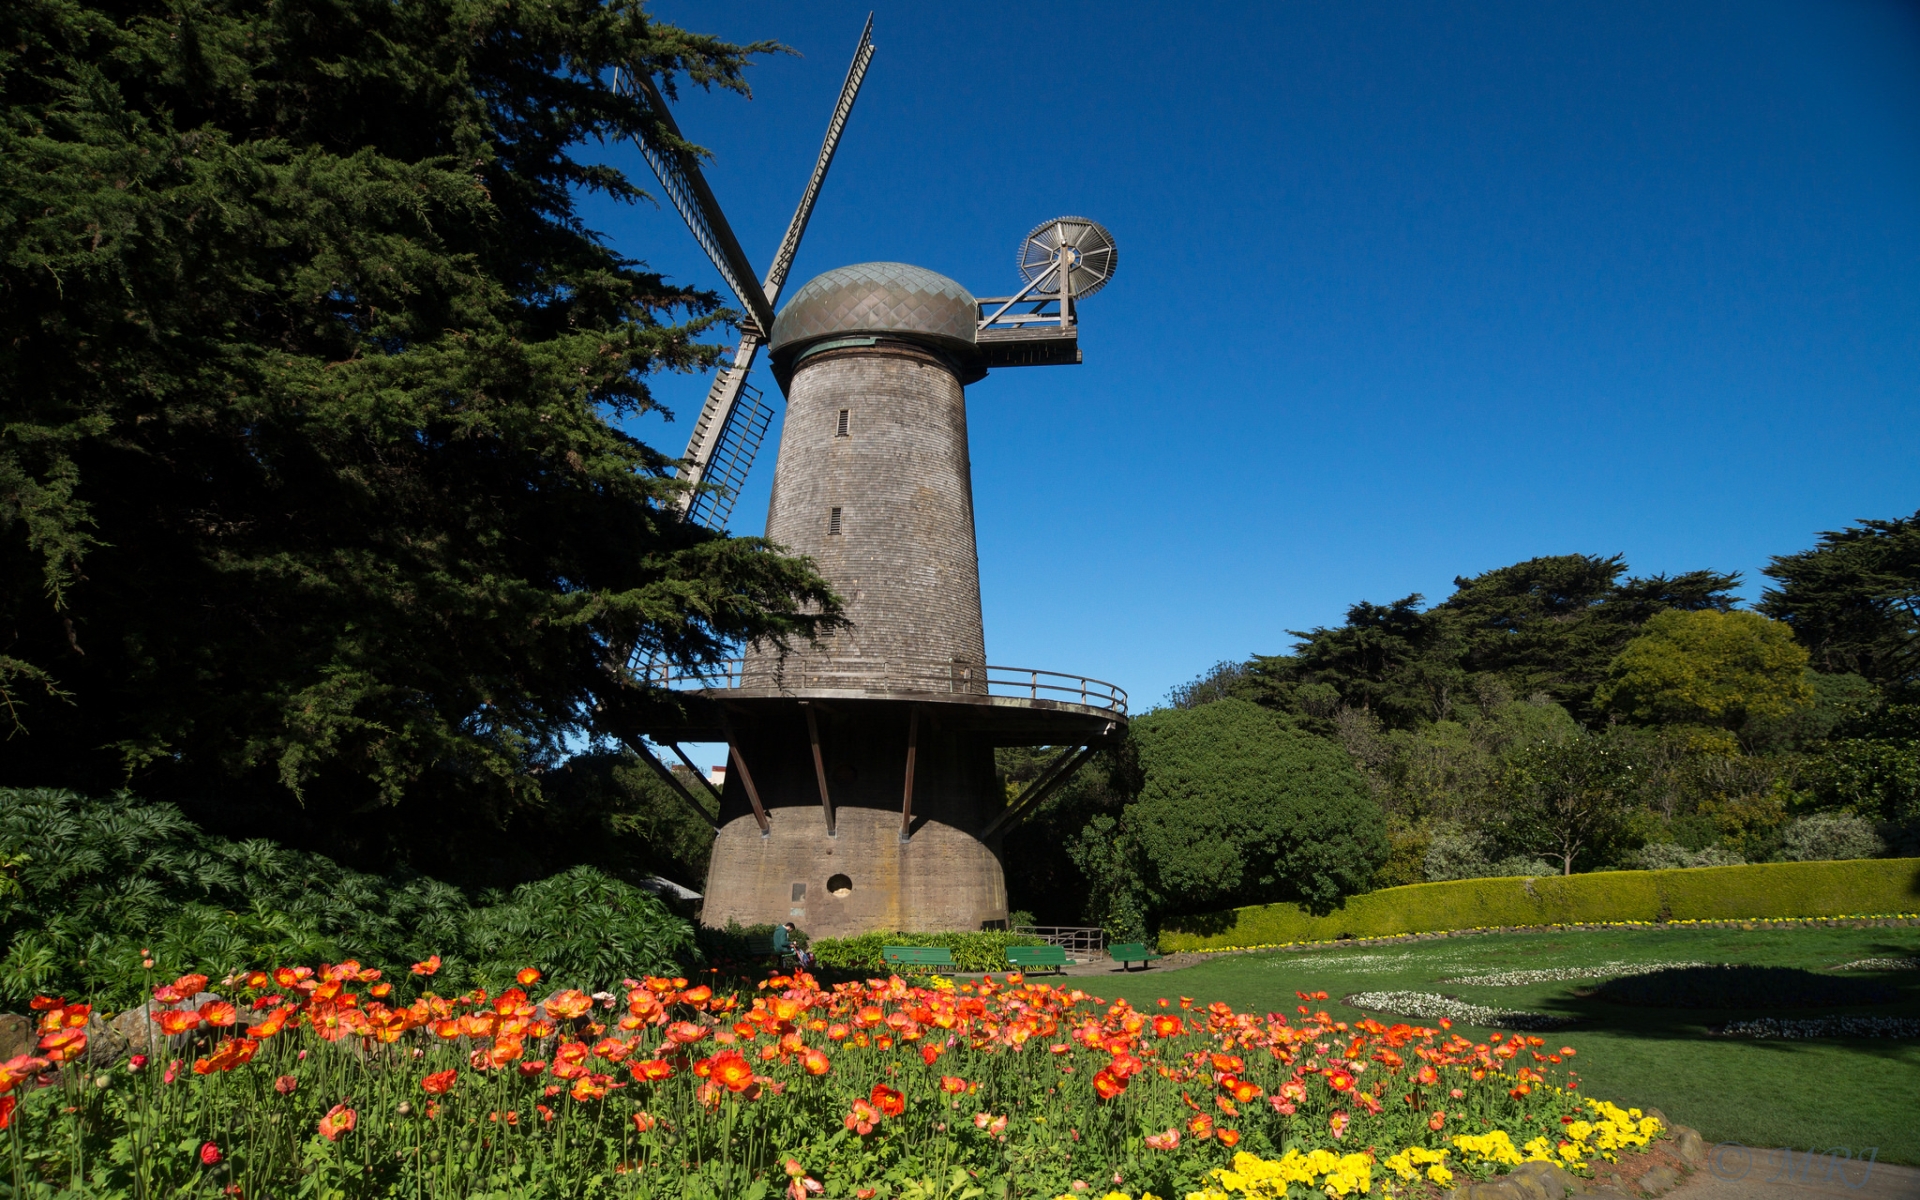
(862, 794)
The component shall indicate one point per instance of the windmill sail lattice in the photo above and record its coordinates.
(734, 419)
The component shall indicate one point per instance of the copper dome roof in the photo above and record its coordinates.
(877, 298)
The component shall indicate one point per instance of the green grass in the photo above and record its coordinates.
(1857, 1093)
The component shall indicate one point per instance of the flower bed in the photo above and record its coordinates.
(336, 1082)
(1433, 1006)
(1612, 970)
(1821, 1027)
(1881, 964)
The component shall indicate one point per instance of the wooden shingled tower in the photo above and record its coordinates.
(861, 793)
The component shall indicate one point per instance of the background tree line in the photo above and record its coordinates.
(1556, 715)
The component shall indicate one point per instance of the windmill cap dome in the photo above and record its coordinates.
(889, 298)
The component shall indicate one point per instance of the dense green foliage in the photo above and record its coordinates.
(96, 881)
(982, 950)
(313, 494)
(1559, 712)
(1878, 886)
(1854, 599)
(1234, 804)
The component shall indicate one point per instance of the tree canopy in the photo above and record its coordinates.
(1709, 668)
(313, 488)
(1854, 599)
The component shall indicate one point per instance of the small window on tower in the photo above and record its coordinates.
(833, 523)
(841, 430)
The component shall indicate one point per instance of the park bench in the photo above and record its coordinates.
(1026, 958)
(934, 957)
(1131, 952)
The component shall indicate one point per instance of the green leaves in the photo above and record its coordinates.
(1854, 599)
(310, 378)
(1708, 668)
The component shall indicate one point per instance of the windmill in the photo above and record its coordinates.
(861, 793)
(733, 421)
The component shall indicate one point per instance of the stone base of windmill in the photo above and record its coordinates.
(865, 876)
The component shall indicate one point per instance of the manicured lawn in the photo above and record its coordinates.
(1856, 1093)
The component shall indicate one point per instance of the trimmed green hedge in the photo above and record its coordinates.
(983, 951)
(1758, 890)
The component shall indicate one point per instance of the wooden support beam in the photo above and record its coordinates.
(906, 801)
(704, 782)
(746, 776)
(819, 765)
(1058, 772)
(679, 789)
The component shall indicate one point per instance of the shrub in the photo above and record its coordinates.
(1459, 854)
(99, 879)
(985, 950)
(1825, 836)
(1731, 986)
(1235, 804)
(1757, 890)
(1670, 856)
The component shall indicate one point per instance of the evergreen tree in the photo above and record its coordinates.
(313, 493)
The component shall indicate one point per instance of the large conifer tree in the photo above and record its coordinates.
(313, 497)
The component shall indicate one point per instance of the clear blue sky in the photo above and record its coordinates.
(1406, 291)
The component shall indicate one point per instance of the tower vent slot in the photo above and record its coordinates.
(833, 523)
(842, 430)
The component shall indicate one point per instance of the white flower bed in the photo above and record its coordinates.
(1823, 1027)
(1612, 970)
(1881, 964)
(1433, 1006)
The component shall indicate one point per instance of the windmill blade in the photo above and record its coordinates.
(680, 177)
(733, 421)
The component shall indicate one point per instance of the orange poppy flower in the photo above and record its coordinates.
(339, 1119)
(698, 996)
(612, 1049)
(66, 1045)
(838, 1032)
(863, 1118)
(570, 1003)
(1200, 1126)
(589, 1087)
(732, 1070)
(1166, 1026)
(643, 1121)
(1229, 1138)
(439, 1082)
(1340, 1081)
(528, 976)
(1107, 1085)
(651, 1070)
(784, 1009)
(428, 967)
(1244, 1090)
(449, 1029)
(190, 986)
(219, 1013)
(889, 1102)
(952, 1084)
(870, 1015)
(1170, 1140)
(815, 1062)
(685, 1033)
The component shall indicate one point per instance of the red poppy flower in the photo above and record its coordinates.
(210, 1154)
(286, 1085)
(1107, 1085)
(732, 1070)
(439, 1082)
(889, 1102)
(339, 1119)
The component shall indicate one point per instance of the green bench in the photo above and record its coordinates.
(1026, 958)
(934, 957)
(1131, 952)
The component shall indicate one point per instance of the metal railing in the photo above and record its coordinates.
(889, 676)
(1075, 939)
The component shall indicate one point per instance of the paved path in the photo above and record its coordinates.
(1734, 1172)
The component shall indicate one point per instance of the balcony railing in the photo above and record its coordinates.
(891, 676)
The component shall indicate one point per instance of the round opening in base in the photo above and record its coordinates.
(840, 885)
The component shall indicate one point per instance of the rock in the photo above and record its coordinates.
(1657, 1115)
(1554, 1181)
(138, 1034)
(105, 1045)
(1657, 1180)
(1689, 1145)
(16, 1035)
